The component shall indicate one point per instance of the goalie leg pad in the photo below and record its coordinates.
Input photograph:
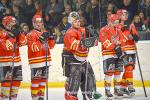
(74, 79)
(91, 83)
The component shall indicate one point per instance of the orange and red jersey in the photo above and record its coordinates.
(72, 43)
(8, 56)
(127, 42)
(109, 38)
(37, 49)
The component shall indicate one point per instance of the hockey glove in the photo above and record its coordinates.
(135, 37)
(44, 36)
(125, 26)
(118, 51)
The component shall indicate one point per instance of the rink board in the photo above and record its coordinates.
(56, 79)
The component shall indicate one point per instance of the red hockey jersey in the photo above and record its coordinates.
(72, 43)
(36, 50)
(109, 38)
(127, 42)
(7, 56)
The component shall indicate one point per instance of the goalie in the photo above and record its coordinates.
(75, 65)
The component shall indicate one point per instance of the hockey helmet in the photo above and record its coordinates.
(37, 21)
(123, 14)
(73, 16)
(121, 11)
(113, 17)
(8, 22)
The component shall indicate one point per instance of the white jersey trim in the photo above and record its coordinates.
(80, 58)
(2, 64)
(37, 65)
(108, 56)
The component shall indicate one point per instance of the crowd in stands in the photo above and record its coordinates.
(93, 13)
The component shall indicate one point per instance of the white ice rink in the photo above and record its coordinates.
(58, 94)
(96, 61)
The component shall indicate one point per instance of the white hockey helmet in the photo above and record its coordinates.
(73, 16)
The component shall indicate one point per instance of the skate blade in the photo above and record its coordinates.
(126, 96)
(109, 98)
(118, 97)
(132, 94)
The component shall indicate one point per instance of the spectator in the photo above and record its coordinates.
(80, 4)
(95, 14)
(143, 19)
(146, 9)
(59, 36)
(38, 7)
(138, 23)
(72, 3)
(26, 12)
(61, 29)
(108, 13)
(131, 6)
(111, 7)
(64, 25)
(82, 13)
(15, 12)
(83, 22)
(5, 8)
(24, 28)
(67, 9)
(4, 4)
(53, 14)
(54, 7)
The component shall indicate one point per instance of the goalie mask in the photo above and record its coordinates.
(37, 22)
(8, 22)
(73, 16)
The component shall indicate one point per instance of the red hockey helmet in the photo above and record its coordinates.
(123, 14)
(8, 22)
(37, 22)
(113, 17)
(121, 11)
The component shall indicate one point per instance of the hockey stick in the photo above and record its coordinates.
(86, 73)
(140, 72)
(47, 69)
(43, 2)
(12, 69)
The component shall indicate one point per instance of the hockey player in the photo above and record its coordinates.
(129, 36)
(10, 40)
(80, 72)
(111, 53)
(37, 39)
